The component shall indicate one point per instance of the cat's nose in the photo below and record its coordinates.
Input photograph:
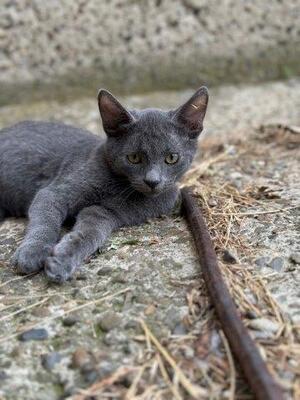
(152, 183)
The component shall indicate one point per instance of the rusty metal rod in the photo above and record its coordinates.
(243, 347)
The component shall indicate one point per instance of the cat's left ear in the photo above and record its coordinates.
(191, 114)
(114, 115)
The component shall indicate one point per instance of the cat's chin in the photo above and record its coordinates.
(153, 193)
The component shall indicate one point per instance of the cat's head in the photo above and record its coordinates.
(152, 148)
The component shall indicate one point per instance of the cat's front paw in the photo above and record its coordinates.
(30, 257)
(59, 268)
(64, 259)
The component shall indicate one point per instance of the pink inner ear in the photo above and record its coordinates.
(193, 113)
(198, 104)
(109, 109)
(113, 114)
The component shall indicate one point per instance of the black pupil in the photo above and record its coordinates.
(172, 158)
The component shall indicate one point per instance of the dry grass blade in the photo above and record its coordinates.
(173, 388)
(133, 388)
(249, 214)
(107, 296)
(18, 278)
(194, 173)
(193, 390)
(231, 365)
(38, 303)
(97, 387)
(272, 302)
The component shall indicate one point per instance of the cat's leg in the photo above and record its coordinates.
(46, 216)
(93, 226)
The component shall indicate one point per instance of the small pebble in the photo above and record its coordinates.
(4, 290)
(70, 320)
(80, 358)
(250, 314)
(81, 277)
(194, 4)
(127, 301)
(69, 391)
(256, 335)
(236, 175)
(229, 257)
(174, 316)
(132, 324)
(49, 360)
(179, 330)
(282, 298)
(230, 149)
(189, 353)
(215, 341)
(131, 242)
(150, 309)
(212, 202)
(262, 261)
(16, 352)
(57, 300)
(295, 258)
(250, 295)
(34, 334)
(277, 264)
(41, 312)
(123, 252)
(104, 271)
(264, 324)
(115, 337)
(5, 364)
(119, 279)
(3, 375)
(90, 374)
(109, 320)
(106, 368)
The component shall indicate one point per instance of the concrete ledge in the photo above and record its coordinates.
(64, 46)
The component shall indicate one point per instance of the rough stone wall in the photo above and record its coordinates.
(145, 44)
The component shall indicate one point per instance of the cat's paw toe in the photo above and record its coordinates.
(58, 269)
(30, 258)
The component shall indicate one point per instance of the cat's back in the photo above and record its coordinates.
(41, 136)
(33, 153)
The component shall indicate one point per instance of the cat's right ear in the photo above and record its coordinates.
(114, 115)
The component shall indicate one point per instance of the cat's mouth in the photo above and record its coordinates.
(146, 190)
(153, 193)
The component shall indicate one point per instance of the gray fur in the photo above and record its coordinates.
(51, 172)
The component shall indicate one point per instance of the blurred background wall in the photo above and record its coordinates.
(59, 47)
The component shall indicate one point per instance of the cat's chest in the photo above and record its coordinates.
(134, 208)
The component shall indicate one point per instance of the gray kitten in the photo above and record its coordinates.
(51, 172)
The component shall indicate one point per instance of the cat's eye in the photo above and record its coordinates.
(172, 158)
(134, 158)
